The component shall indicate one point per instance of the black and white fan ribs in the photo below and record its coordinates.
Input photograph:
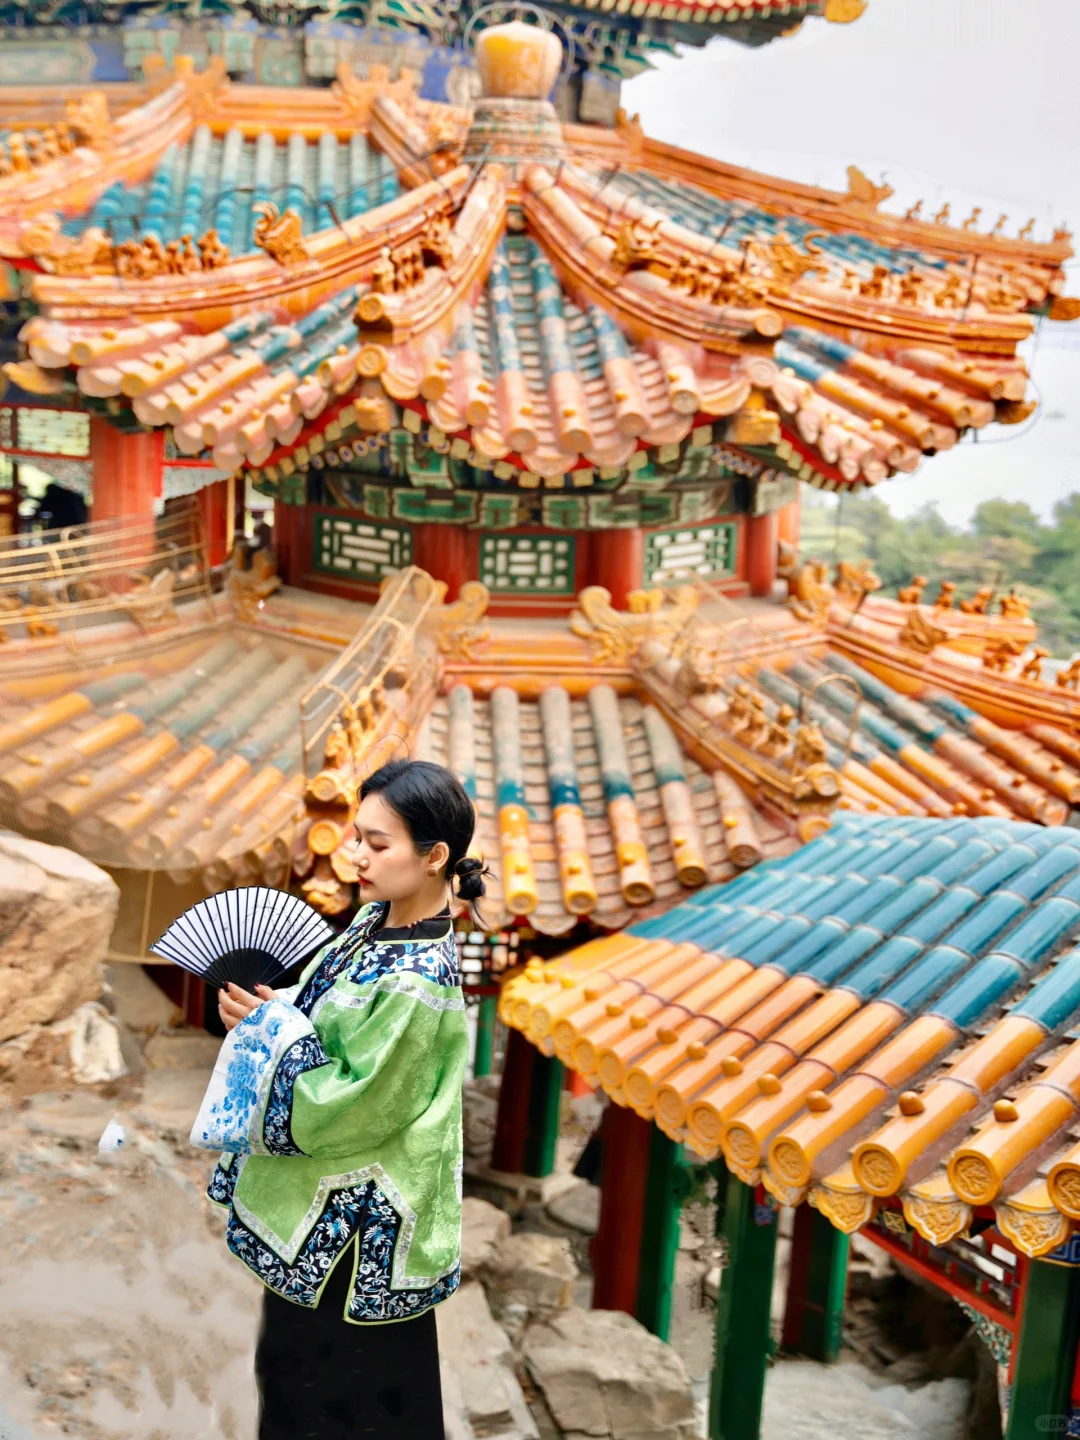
(251, 936)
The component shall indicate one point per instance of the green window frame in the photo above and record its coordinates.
(528, 564)
(706, 550)
(359, 549)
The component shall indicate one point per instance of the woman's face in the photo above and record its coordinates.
(386, 861)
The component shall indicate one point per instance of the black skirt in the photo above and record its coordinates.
(322, 1378)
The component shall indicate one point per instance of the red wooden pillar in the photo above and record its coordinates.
(762, 532)
(512, 1118)
(788, 519)
(214, 506)
(798, 1278)
(239, 503)
(9, 505)
(443, 551)
(291, 541)
(618, 563)
(616, 1246)
(127, 471)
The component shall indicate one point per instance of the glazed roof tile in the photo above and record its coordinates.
(185, 758)
(216, 179)
(573, 314)
(890, 1011)
(624, 768)
(892, 754)
(967, 662)
(731, 222)
(976, 768)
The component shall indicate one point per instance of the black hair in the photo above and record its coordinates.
(433, 806)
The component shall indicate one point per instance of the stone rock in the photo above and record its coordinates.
(710, 1286)
(56, 915)
(913, 1369)
(537, 1271)
(478, 1352)
(88, 1048)
(137, 1001)
(484, 1229)
(94, 1045)
(455, 1420)
(602, 1374)
(807, 1401)
(183, 1050)
(479, 1110)
(488, 1085)
(35, 1061)
(75, 1121)
(169, 1103)
(578, 1209)
(689, 1239)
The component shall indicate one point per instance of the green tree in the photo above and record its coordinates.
(1008, 519)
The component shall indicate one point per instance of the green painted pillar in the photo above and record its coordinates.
(542, 1126)
(721, 1175)
(665, 1189)
(817, 1287)
(485, 1035)
(743, 1335)
(1046, 1355)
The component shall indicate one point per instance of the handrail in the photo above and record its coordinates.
(68, 577)
(829, 679)
(392, 640)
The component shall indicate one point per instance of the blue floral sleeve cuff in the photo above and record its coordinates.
(234, 1106)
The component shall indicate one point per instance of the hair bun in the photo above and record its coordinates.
(470, 874)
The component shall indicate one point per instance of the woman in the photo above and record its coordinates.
(338, 1104)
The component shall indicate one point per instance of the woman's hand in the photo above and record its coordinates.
(235, 1004)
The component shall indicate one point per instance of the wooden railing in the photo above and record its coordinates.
(58, 582)
(381, 681)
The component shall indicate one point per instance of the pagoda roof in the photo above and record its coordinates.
(887, 1017)
(186, 757)
(555, 298)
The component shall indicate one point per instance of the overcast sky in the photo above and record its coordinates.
(971, 101)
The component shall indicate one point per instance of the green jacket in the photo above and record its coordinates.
(339, 1109)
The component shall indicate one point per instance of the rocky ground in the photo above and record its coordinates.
(125, 1315)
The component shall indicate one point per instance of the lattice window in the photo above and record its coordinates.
(528, 564)
(483, 958)
(707, 550)
(52, 432)
(358, 551)
(7, 473)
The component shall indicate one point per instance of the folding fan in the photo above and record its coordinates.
(250, 936)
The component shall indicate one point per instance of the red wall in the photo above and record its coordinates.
(611, 558)
(127, 471)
